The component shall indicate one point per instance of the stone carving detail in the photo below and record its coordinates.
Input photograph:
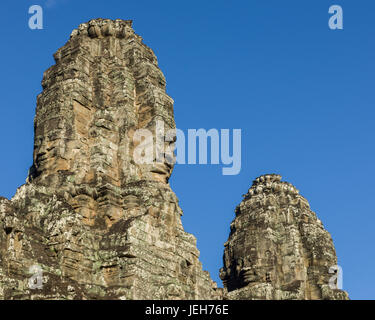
(98, 225)
(99, 28)
(277, 247)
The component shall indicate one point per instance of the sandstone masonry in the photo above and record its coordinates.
(102, 226)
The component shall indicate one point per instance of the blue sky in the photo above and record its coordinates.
(302, 94)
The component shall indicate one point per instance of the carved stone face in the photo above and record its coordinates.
(162, 168)
(51, 151)
(95, 142)
(159, 146)
(107, 27)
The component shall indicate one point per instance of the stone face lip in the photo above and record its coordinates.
(277, 247)
(92, 223)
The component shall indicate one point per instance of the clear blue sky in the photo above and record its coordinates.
(302, 94)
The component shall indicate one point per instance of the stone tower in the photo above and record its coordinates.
(278, 248)
(92, 223)
(99, 225)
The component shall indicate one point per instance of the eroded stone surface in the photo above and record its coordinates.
(100, 225)
(278, 248)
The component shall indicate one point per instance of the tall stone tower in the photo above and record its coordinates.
(92, 223)
(278, 248)
(95, 222)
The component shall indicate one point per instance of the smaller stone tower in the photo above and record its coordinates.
(277, 247)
